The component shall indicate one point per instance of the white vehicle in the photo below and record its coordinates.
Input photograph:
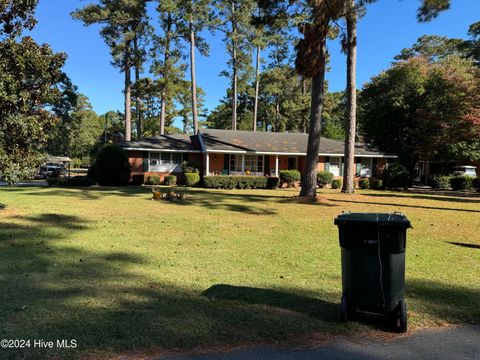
(466, 170)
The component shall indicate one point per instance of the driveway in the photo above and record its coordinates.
(454, 343)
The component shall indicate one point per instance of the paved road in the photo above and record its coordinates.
(456, 343)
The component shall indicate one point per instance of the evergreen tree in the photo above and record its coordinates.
(121, 20)
(236, 24)
(168, 52)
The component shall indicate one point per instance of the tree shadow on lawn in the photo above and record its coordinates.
(404, 205)
(467, 245)
(434, 197)
(104, 301)
(85, 193)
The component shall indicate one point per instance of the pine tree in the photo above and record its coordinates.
(120, 20)
(167, 55)
(236, 24)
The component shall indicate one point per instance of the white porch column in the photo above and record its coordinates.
(207, 165)
(276, 165)
(243, 164)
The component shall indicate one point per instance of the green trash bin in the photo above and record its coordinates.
(373, 265)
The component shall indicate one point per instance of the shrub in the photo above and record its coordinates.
(289, 176)
(476, 184)
(441, 182)
(376, 184)
(336, 184)
(396, 176)
(153, 180)
(364, 183)
(189, 167)
(273, 182)
(91, 171)
(138, 179)
(235, 182)
(461, 182)
(112, 167)
(170, 180)
(324, 178)
(192, 179)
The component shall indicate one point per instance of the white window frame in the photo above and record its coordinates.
(169, 166)
(337, 162)
(366, 166)
(240, 162)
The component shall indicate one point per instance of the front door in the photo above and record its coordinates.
(292, 163)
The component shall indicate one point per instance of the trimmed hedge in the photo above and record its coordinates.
(364, 183)
(461, 183)
(376, 184)
(324, 178)
(336, 184)
(441, 182)
(153, 180)
(192, 179)
(238, 182)
(273, 182)
(289, 176)
(170, 180)
(476, 184)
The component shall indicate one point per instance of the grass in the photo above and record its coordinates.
(120, 273)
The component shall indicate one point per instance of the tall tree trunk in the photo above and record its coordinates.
(138, 104)
(257, 85)
(234, 65)
(193, 79)
(350, 128)
(128, 94)
(166, 59)
(309, 181)
(304, 117)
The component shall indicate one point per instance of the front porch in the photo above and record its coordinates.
(251, 164)
(221, 163)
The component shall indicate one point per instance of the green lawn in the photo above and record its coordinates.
(121, 273)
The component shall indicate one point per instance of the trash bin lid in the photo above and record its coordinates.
(396, 218)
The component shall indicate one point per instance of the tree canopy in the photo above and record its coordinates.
(421, 110)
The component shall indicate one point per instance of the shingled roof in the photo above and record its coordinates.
(173, 142)
(274, 143)
(228, 141)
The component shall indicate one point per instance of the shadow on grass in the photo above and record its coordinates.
(446, 302)
(52, 289)
(324, 310)
(405, 205)
(85, 193)
(467, 245)
(433, 197)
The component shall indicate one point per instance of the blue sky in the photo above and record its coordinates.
(388, 27)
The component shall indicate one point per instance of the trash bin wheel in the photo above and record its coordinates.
(346, 309)
(401, 317)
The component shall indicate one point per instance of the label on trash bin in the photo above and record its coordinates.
(370, 242)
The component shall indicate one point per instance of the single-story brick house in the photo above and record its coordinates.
(223, 152)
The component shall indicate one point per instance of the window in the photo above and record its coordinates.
(236, 163)
(335, 166)
(366, 167)
(253, 164)
(165, 161)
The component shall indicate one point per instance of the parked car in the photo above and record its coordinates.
(465, 170)
(51, 170)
